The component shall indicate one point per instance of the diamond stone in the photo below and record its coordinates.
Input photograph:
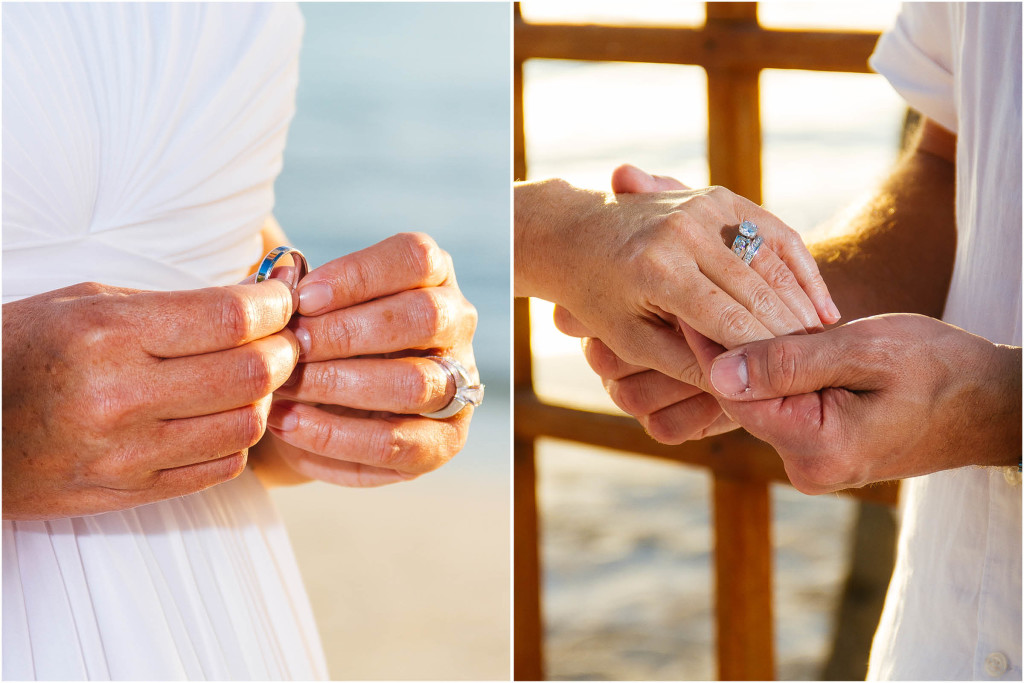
(748, 229)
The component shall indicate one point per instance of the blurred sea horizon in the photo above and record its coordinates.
(402, 124)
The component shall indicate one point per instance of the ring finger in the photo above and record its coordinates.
(746, 286)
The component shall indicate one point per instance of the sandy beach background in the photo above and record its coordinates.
(402, 124)
(626, 540)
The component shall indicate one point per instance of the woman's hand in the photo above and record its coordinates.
(117, 397)
(349, 414)
(671, 411)
(887, 397)
(629, 266)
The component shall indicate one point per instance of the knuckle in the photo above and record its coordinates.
(419, 387)
(233, 466)
(87, 289)
(629, 396)
(252, 423)
(235, 316)
(323, 438)
(355, 276)
(110, 405)
(390, 449)
(327, 378)
(257, 373)
(470, 316)
(431, 313)
(762, 301)
(337, 335)
(97, 326)
(599, 357)
(780, 365)
(736, 323)
(424, 258)
(662, 428)
(779, 277)
(813, 476)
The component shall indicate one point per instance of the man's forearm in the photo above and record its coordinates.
(896, 254)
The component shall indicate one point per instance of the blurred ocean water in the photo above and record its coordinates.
(403, 124)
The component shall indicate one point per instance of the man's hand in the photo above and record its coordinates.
(349, 414)
(116, 397)
(881, 398)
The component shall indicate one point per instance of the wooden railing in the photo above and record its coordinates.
(732, 47)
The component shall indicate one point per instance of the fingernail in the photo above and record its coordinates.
(302, 336)
(729, 375)
(282, 417)
(314, 297)
(836, 315)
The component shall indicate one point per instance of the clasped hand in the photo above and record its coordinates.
(880, 398)
(115, 397)
(350, 412)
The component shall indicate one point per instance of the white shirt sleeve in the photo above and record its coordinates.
(916, 57)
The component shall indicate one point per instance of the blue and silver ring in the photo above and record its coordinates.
(275, 255)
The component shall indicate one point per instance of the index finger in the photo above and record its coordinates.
(401, 262)
(192, 322)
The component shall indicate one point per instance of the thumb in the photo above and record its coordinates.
(628, 179)
(569, 324)
(783, 366)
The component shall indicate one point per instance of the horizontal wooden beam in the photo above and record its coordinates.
(735, 454)
(724, 45)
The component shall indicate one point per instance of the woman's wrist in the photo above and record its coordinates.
(547, 216)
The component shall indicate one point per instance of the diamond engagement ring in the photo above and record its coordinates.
(274, 255)
(747, 242)
(467, 392)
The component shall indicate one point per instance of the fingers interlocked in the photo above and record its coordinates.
(351, 410)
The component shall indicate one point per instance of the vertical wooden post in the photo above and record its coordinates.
(734, 112)
(743, 551)
(528, 624)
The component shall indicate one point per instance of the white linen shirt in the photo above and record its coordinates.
(953, 610)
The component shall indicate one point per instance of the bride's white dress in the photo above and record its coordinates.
(140, 146)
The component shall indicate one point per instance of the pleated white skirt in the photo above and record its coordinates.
(199, 587)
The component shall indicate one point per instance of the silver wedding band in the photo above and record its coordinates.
(275, 255)
(747, 243)
(467, 392)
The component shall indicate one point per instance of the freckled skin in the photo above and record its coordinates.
(627, 266)
(350, 414)
(148, 399)
(942, 398)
